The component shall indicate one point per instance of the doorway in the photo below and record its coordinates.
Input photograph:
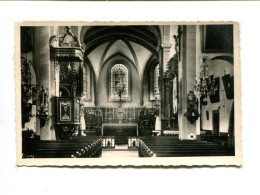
(215, 120)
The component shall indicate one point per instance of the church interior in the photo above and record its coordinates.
(127, 90)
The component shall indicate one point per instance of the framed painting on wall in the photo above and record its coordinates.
(218, 38)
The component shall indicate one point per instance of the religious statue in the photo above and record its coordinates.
(176, 44)
(82, 118)
(53, 41)
(157, 121)
(43, 106)
(68, 37)
(43, 100)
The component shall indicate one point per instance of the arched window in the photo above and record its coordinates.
(119, 83)
(156, 81)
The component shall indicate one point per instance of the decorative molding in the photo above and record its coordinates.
(73, 54)
(64, 132)
(166, 47)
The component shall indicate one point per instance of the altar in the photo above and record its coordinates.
(122, 129)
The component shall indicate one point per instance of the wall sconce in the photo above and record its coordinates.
(221, 106)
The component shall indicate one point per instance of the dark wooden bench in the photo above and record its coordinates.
(89, 147)
(166, 146)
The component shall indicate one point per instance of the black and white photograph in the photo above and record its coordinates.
(128, 93)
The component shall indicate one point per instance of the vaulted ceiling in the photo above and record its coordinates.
(137, 43)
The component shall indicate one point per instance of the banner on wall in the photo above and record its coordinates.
(215, 96)
(228, 83)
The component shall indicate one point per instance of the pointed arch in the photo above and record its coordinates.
(152, 62)
(119, 57)
(225, 58)
(89, 64)
(133, 54)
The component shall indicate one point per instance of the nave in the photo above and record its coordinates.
(158, 90)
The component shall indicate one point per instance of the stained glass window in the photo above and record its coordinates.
(119, 82)
(156, 80)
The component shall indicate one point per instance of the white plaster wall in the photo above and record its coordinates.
(217, 68)
(95, 57)
(142, 55)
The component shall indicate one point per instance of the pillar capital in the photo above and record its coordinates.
(165, 47)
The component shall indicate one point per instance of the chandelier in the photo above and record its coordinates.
(206, 86)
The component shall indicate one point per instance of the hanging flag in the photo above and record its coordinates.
(214, 95)
(228, 83)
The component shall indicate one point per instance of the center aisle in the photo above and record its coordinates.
(119, 154)
(120, 151)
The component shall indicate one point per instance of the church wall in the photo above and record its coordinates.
(217, 67)
(90, 102)
(146, 90)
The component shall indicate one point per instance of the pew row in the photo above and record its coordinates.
(172, 147)
(90, 147)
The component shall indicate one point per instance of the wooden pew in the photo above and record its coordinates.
(166, 146)
(90, 147)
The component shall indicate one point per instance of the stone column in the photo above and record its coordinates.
(45, 76)
(166, 102)
(187, 75)
(164, 56)
(198, 63)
